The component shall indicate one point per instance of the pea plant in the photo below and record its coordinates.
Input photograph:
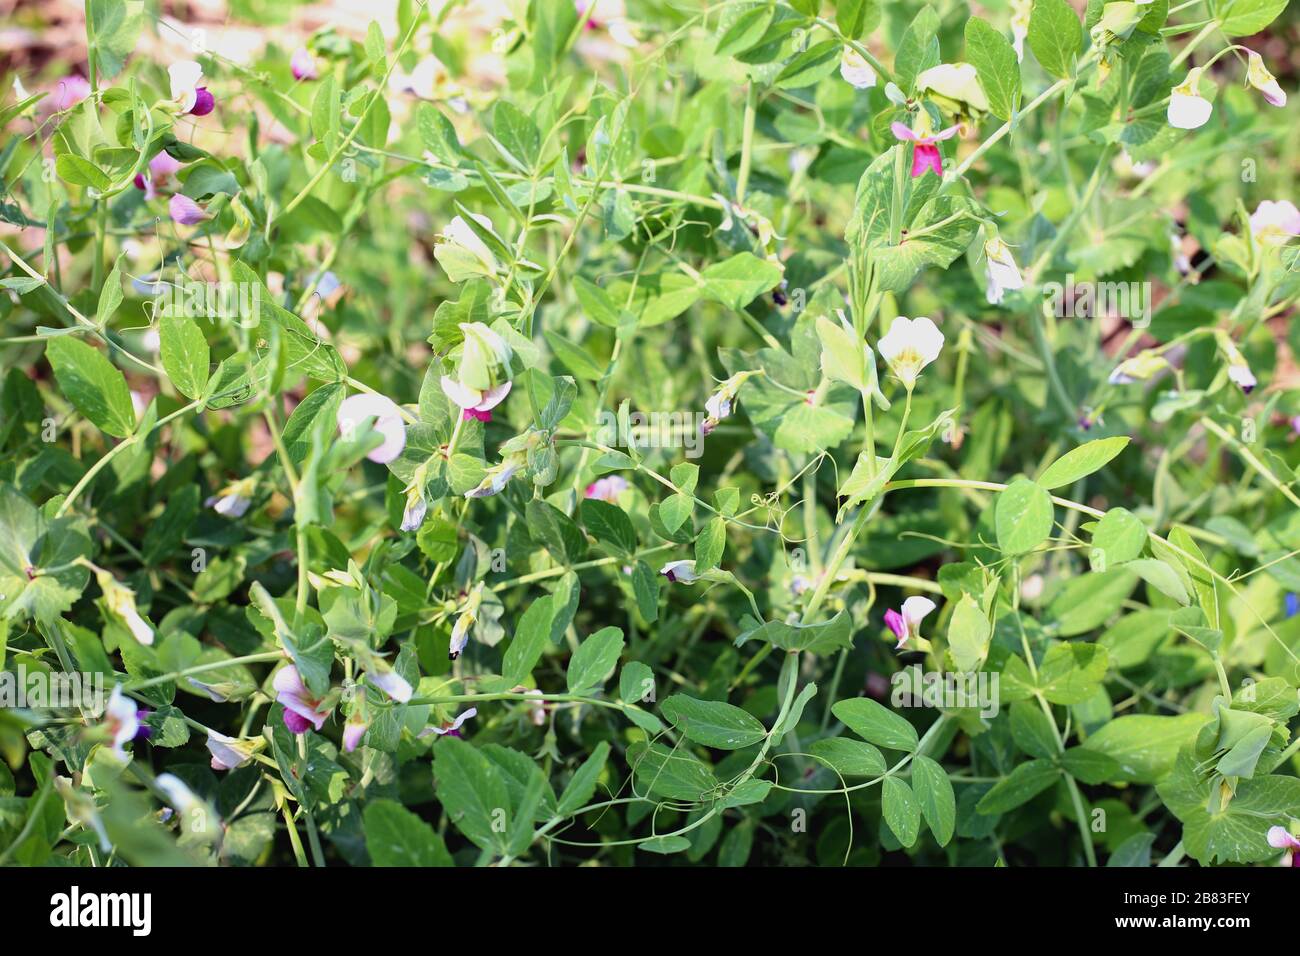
(768, 432)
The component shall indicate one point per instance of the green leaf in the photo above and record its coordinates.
(1160, 576)
(609, 523)
(675, 774)
(1144, 745)
(934, 793)
(811, 66)
(531, 638)
(856, 17)
(77, 171)
(1242, 18)
(1071, 673)
(596, 303)
(517, 134)
(995, 62)
(397, 837)
(645, 587)
(90, 382)
(636, 683)
(185, 355)
(1223, 828)
(737, 281)
(876, 723)
(674, 510)
(918, 50)
(30, 542)
(745, 30)
(1024, 783)
(575, 359)
(852, 758)
(833, 635)
(1031, 730)
(713, 723)
(551, 527)
(902, 813)
(710, 544)
(1023, 517)
(110, 297)
(594, 660)
(1055, 35)
(1119, 537)
(1090, 766)
(1082, 461)
(582, 785)
(472, 793)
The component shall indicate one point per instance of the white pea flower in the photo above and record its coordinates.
(1187, 108)
(462, 254)
(679, 572)
(234, 500)
(958, 82)
(855, 69)
(230, 753)
(1273, 223)
(122, 721)
(909, 346)
(464, 622)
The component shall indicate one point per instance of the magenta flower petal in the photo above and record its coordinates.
(926, 156)
(204, 102)
(894, 621)
(296, 723)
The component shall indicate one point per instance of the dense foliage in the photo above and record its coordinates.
(753, 432)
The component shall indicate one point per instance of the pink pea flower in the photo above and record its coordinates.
(185, 77)
(607, 488)
(475, 403)
(387, 421)
(185, 211)
(301, 708)
(1282, 839)
(161, 168)
(229, 753)
(925, 154)
(302, 65)
(907, 624)
(72, 89)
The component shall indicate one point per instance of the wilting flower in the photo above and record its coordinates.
(301, 708)
(194, 99)
(1282, 839)
(387, 421)
(462, 254)
(302, 65)
(234, 500)
(722, 402)
(1187, 108)
(474, 403)
(907, 624)
(1257, 75)
(925, 154)
(955, 82)
(122, 721)
(120, 602)
(679, 572)
(416, 508)
(909, 346)
(536, 709)
(1000, 270)
(1139, 368)
(219, 692)
(856, 70)
(355, 729)
(229, 753)
(496, 477)
(72, 89)
(464, 621)
(161, 168)
(451, 728)
(1238, 368)
(1273, 223)
(185, 211)
(607, 488)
